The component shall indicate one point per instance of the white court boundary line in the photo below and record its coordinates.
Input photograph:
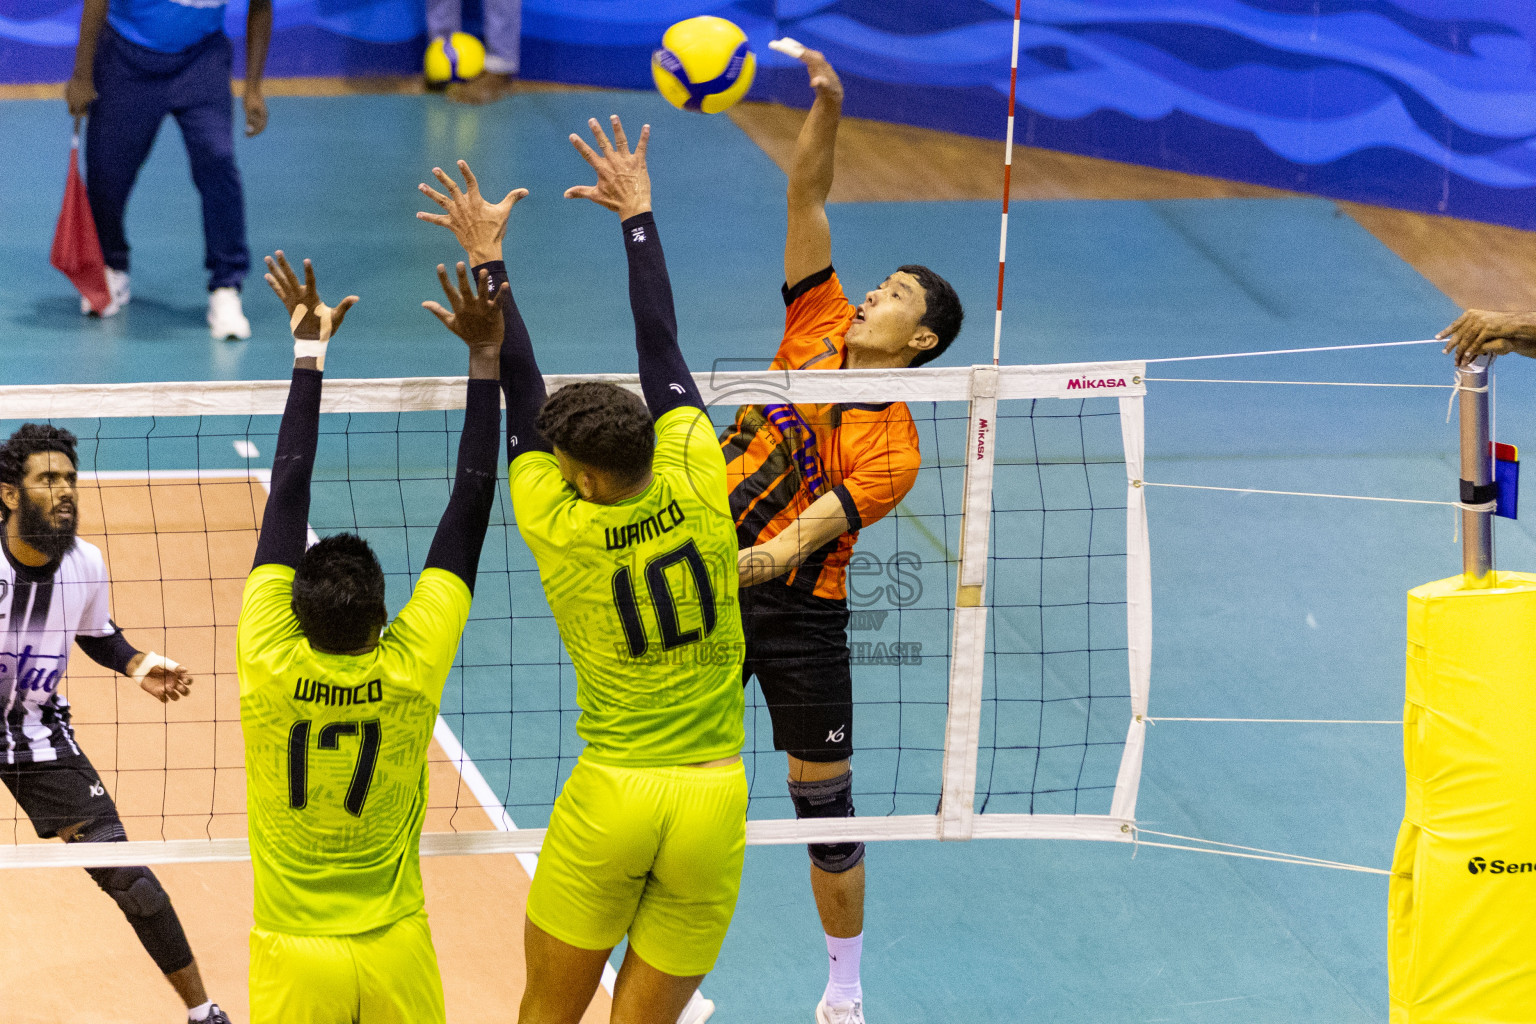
(494, 809)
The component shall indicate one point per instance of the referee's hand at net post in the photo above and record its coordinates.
(623, 182)
(476, 315)
(479, 225)
(1483, 332)
(285, 283)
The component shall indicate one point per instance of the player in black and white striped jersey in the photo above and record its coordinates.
(54, 592)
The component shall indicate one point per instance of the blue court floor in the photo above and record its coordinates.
(1265, 607)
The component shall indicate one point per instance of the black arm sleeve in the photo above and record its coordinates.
(285, 524)
(664, 377)
(461, 531)
(112, 651)
(520, 377)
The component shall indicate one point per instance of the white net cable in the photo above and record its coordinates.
(1484, 507)
(1305, 383)
(1213, 847)
(1284, 721)
(1001, 616)
(1294, 351)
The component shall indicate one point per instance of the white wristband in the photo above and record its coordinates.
(310, 346)
(151, 662)
(789, 47)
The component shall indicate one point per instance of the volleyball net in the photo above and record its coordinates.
(1000, 620)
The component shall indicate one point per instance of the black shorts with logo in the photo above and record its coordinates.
(797, 646)
(58, 794)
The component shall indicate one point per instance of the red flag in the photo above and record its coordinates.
(76, 249)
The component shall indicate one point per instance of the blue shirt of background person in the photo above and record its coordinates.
(167, 26)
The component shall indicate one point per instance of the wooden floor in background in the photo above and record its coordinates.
(178, 551)
(1477, 265)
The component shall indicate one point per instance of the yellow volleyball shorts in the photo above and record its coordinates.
(655, 853)
(386, 976)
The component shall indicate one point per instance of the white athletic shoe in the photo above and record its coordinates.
(117, 291)
(697, 1011)
(841, 1013)
(226, 319)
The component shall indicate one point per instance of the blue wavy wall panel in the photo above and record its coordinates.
(1423, 104)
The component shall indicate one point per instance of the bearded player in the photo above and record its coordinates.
(54, 591)
(337, 703)
(623, 505)
(804, 480)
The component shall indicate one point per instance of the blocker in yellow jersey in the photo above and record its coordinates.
(338, 704)
(623, 504)
(644, 594)
(336, 756)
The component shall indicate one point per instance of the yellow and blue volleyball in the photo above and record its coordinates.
(703, 65)
(458, 58)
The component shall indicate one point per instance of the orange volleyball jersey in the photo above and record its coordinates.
(781, 458)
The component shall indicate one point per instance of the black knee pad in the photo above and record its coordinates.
(828, 798)
(136, 891)
(139, 895)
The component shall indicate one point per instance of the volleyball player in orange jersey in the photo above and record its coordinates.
(804, 480)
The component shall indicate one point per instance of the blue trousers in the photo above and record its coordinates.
(136, 87)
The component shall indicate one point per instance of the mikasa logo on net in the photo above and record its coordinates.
(1499, 866)
(1081, 383)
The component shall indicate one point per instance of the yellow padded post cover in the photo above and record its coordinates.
(1461, 944)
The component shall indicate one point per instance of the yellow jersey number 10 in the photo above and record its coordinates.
(662, 599)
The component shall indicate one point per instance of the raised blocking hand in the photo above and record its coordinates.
(317, 322)
(623, 182)
(475, 315)
(477, 224)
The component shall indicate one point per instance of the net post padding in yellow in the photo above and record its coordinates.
(1461, 943)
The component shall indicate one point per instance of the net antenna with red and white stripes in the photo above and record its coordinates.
(1002, 248)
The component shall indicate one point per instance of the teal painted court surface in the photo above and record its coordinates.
(1264, 606)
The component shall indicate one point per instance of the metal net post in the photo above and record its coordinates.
(1477, 487)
